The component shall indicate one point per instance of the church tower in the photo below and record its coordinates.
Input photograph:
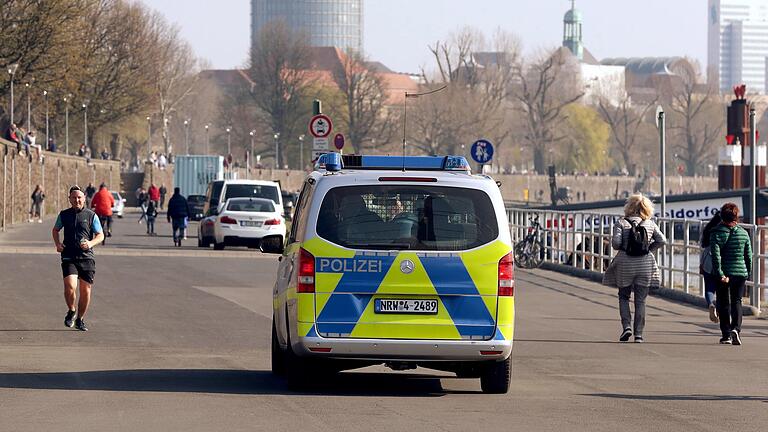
(572, 31)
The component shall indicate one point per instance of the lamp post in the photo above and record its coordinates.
(186, 135)
(250, 153)
(67, 98)
(277, 150)
(28, 86)
(229, 141)
(45, 96)
(301, 152)
(85, 122)
(149, 135)
(207, 139)
(12, 71)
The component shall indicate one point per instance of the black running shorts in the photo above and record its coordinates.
(84, 269)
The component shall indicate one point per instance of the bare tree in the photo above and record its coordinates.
(475, 102)
(544, 88)
(625, 120)
(365, 117)
(175, 72)
(279, 64)
(697, 120)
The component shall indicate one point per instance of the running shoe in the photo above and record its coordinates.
(80, 324)
(69, 319)
(625, 335)
(735, 338)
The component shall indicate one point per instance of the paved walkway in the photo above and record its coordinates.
(181, 342)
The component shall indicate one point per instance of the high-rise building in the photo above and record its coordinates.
(333, 23)
(737, 45)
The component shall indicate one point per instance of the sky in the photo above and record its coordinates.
(398, 32)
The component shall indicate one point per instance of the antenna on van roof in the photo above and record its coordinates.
(405, 112)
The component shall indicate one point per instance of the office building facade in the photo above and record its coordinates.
(737, 46)
(332, 23)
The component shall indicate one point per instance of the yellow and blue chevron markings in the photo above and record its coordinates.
(464, 283)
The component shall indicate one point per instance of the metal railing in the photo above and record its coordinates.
(583, 240)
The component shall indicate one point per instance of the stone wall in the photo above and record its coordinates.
(56, 174)
(589, 188)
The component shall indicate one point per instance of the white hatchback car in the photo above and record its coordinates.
(251, 222)
(119, 206)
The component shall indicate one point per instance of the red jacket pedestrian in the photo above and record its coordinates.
(154, 193)
(103, 202)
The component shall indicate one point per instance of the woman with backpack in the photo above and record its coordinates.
(633, 269)
(732, 265)
(705, 267)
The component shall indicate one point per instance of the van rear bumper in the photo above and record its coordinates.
(399, 349)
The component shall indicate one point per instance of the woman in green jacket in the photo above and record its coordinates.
(732, 264)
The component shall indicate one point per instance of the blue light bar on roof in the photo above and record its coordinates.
(335, 162)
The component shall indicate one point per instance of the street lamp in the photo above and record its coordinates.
(12, 71)
(250, 153)
(29, 107)
(45, 96)
(186, 135)
(149, 136)
(277, 150)
(85, 122)
(229, 142)
(301, 152)
(67, 98)
(207, 139)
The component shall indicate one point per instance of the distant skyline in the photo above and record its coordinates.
(397, 32)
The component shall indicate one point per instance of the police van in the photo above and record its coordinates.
(404, 261)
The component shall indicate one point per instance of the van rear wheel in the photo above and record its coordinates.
(497, 377)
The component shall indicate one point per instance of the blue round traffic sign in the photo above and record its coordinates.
(482, 151)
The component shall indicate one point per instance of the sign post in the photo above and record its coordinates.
(482, 152)
(320, 127)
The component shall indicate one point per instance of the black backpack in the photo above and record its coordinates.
(637, 242)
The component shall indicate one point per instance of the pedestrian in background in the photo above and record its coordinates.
(102, 203)
(142, 198)
(154, 194)
(151, 216)
(163, 193)
(90, 191)
(82, 231)
(177, 212)
(633, 270)
(705, 267)
(732, 265)
(35, 210)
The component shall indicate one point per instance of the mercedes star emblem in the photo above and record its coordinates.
(406, 266)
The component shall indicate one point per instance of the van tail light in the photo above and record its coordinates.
(272, 222)
(227, 220)
(506, 276)
(306, 274)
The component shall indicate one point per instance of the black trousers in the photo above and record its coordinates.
(729, 303)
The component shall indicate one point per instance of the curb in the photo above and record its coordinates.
(670, 294)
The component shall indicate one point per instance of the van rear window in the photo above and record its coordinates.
(252, 191)
(407, 217)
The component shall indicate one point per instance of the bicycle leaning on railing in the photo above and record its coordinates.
(528, 251)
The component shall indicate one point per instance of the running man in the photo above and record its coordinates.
(82, 231)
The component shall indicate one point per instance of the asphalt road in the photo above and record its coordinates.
(179, 340)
